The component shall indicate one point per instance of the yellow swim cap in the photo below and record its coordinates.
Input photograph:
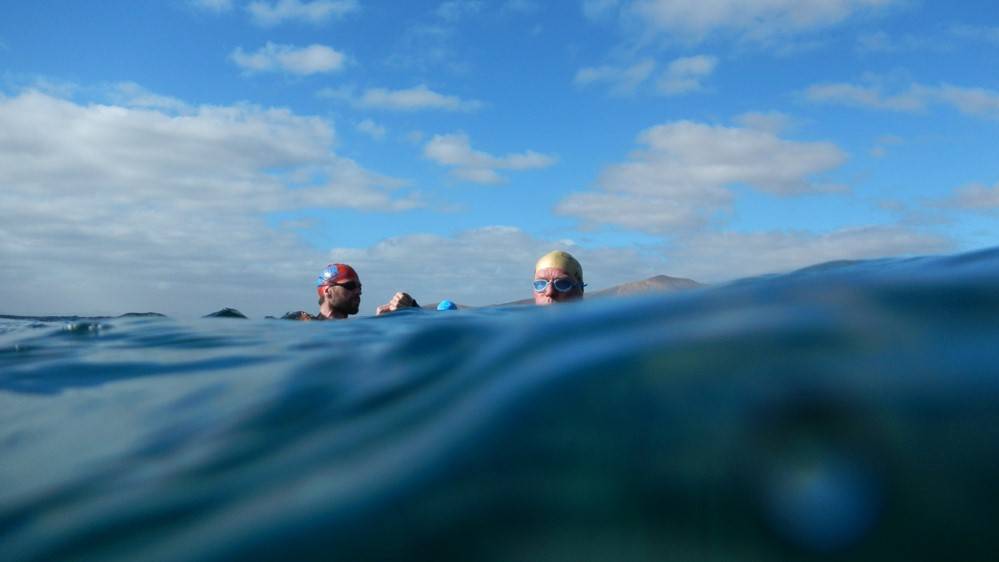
(563, 261)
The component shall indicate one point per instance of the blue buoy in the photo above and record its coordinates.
(446, 305)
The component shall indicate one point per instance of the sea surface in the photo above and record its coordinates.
(848, 411)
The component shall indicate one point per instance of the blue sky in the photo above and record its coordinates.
(185, 155)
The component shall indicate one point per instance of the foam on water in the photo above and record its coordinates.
(843, 412)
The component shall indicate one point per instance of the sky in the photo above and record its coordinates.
(180, 156)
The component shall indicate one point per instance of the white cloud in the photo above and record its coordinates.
(455, 150)
(697, 19)
(681, 180)
(723, 256)
(880, 42)
(314, 59)
(134, 95)
(146, 209)
(971, 101)
(417, 98)
(866, 96)
(454, 10)
(684, 75)
(622, 80)
(598, 9)
(475, 166)
(919, 213)
(659, 214)
(988, 34)
(372, 129)
(978, 102)
(217, 6)
(975, 197)
(268, 13)
(771, 121)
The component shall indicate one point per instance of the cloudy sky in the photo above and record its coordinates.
(185, 155)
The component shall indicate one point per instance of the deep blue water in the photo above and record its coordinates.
(844, 412)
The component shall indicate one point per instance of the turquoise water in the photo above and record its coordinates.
(844, 412)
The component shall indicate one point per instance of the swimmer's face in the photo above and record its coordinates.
(345, 296)
(551, 294)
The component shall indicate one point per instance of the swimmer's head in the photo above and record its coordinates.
(558, 277)
(561, 260)
(339, 289)
(333, 274)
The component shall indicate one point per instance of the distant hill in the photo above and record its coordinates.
(652, 284)
(663, 283)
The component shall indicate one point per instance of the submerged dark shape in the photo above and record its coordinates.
(846, 414)
(68, 318)
(225, 313)
(142, 315)
(297, 315)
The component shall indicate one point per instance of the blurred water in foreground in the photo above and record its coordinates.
(844, 412)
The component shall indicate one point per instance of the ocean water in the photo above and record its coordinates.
(844, 412)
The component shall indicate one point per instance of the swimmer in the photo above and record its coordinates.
(339, 291)
(558, 277)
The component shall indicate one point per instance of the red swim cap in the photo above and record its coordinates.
(335, 273)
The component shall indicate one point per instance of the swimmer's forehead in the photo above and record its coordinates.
(560, 260)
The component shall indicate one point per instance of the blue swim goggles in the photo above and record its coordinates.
(562, 285)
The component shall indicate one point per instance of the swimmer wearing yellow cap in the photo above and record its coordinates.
(558, 277)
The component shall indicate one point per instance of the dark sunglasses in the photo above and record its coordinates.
(349, 285)
(562, 285)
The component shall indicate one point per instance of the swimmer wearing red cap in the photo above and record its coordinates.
(339, 291)
(558, 277)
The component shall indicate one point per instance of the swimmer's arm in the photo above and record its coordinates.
(399, 300)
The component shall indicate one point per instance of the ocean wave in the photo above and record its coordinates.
(842, 411)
